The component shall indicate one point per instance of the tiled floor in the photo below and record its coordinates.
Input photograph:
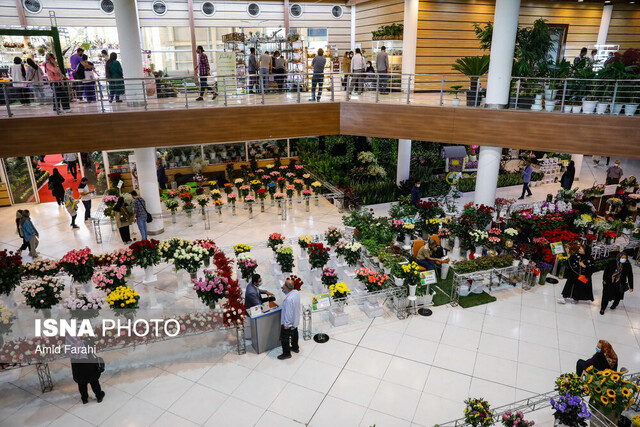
(386, 371)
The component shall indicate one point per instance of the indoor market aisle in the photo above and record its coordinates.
(50, 162)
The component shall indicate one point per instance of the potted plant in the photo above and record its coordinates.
(454, 91)
(474, 67)
(609, 394)
(478, 413)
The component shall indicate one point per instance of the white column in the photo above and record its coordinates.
(577, 160)
(126, 16)
(404, 160)
(148, 182)
(503, 42)
(607, 10)
(409, 39)
(487, 177)
(353, 29)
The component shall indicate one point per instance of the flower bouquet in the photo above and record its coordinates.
(123, 300)
(123, 256)
(247, 265)
(172, 194)
(168, 248)
(215, 195)
(297, 282)
(244, 191)
(228, 188)
(340, 248)
(570, 410)
(109, 201)
(284, 257)
(352, 253)
(199, 191)
(477, 413)
(208, 245)
(515, 419)
(212, 185)
(410, 274)
(569, 383)
(333, 234)
(339, 290)
(41, 268)
(609, 235)
(290, 190)
(146, 253)
(85, 306)
(317, 186)
(303, 241)
(184, 188)
(202, 200)
(172, 205)
(478, 237)
(238, 182)
(271, 188)
(608, 392)
(188, 207)
(290, 177)
(307, 179)
(249, 199)
(186, 197)
(78, 263)
(275, 240)
(362, 274)
(279, 196)
(375, 281)
(318, 255)
(241, 248)
(189, 258)
(6, 320)
(281, 183)
(329, 276)
(10, 271)
(109, 278)
(255, 185)
(298, 185)
(42, 293)
(211, 288)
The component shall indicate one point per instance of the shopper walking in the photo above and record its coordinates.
(616, 280)
(265, 70)
(19, 221)
(280, 70)
(568, 176)
(55, 185)
(84, 368)
(140, 214)
(124, 218)
(582, 57)
(346, 69)
(18, 74)
(85, 196)
(30, 234)
(382, 64)
(161, 175)
(604, 358)
(35, 78)
(252, 69)
(289, 320)
(614, 173)
(88, 79)
(318, 63)
(578, 286)
(56, 80)
(72, 206)
(116, 82)
(203, 71)
(415, 193)
(526, 179)
(71, 159)
(76, 84)
(358, 66)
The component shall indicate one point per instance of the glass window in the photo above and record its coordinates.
(119, 159)
(19, 179)
(180, 157)
(225, 153)
(259, 150)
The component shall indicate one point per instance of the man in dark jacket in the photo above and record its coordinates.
(162, 176)
(415, 193)
(616, 280)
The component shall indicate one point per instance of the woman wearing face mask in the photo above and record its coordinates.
(604, 358)
(579, 285)
(617, 279)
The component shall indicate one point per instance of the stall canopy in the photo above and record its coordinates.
(454, 152)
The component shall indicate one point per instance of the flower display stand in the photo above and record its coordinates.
(180, 281)
(445, 270)
(455, 252)
(9, 300)
(303, 263)
(153, 298)
(373, 310)
(337, 315)
(318, 287)
(149, 277)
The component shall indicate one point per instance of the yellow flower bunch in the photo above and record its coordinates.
(316, 184)
(212, 183)
(408, 226)
(562, 257)
(339, 290)
(305, 238)
(218, 203)
(255, 182)
(123, 297)
(636, 421)
(215, 191)
(586, 217)
(608, 390)
(412, 268)
(433, 221)
(241, 248)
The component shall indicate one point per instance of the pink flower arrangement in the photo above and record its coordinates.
(250, 199)
(290, 187)
(298, 167)
(290, 174)
(495, 231)
(279, 196)
(110, 199)
(275, 173)
(211, 287)
(78, 263)
(123, 257)
(283, 167)
(306, 193)
(232, 197)
(109, 278)
(265, 177)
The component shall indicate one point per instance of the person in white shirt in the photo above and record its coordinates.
(18, 74)
(85, 196)
(265, 70)
(358, 65)
(71, 159)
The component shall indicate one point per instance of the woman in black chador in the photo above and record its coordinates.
(579, 270)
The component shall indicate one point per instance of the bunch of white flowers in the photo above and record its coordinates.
(511, 232)
(353, 247)
(245, 256)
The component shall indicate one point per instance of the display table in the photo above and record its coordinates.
(265, 330)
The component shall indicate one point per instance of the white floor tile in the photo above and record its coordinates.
(396, 400)
(235, 413)
(369, 362)
(497, 370)
(168, 419)
(534, 379)
(455, 359)
(224, 377)
(269, 419)
(297, 403)
(503, 327)
(164, 390)
(34, 413)
(536, 334)
(97, 413)
(259, 389)
(333, 352)
(448, 384)
(496, 394)
(381, 340)
(378, 419)
(435, 409)
(504, 310)
(316, 375)
(455, 336)
(425, 329)
(69, 420)
(355, 388)
(135, 412)
(283, 369)
(407, 373)
(190, 405)
(416, 349)
(540, 356)
(337, 412)
(466, 319)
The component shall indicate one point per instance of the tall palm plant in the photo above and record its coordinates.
(472, 66)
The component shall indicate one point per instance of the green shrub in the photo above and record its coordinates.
(483, 263)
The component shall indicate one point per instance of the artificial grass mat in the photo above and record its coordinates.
(443, 292)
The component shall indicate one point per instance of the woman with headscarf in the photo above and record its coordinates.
(72, 206)
(604, 358)
(55, 185)
(19, 221)
(19, 76)
(579, 286)
(568, 176)
(30, 234)
(124, 218)
(116, 82)
(34, 76)
(616, 280)
(60, 94)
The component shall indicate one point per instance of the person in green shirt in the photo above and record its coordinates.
(116, 84)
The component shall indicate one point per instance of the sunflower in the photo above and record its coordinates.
(586, 389)
(607, 372)
(604, 400)
(611, 393)
(598, 390)
(626, 392)
(590, 379)
(615, 377)
(589, 369)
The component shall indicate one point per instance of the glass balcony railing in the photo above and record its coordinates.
(104, 96)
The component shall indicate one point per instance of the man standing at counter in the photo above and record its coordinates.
(253, 294)
(290, 319)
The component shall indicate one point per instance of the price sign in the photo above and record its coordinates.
(321, 301)
(255, 311)
(610, 189)
(120, 184)
(428, 277)
(557, 248)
